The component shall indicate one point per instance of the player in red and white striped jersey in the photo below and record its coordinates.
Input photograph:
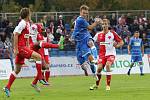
(107, 41)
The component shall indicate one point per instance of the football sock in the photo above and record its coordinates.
(141, 69)
(108, 78)
(11, 80)
(99, 78)
(39, 70)
(47, 75)
(48, 45)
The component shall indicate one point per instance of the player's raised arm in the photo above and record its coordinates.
(97, 21)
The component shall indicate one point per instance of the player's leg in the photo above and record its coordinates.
(99, 75)
(47, 68)
(133, 59)
(84, 68)
(110, 61)
(82, 61)
(11, 79)
(139, 59)
(38, 58)
(93, 56)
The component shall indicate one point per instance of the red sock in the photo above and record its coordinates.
(48, 45)
(39, 70)
(43, 73)
(47, 75)
(11, 80)
(108, 78)
(35, 80)
(99, 78)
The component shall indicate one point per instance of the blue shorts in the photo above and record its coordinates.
(136, 58)
(83, 50)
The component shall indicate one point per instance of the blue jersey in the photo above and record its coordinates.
(80, 29)
(136, 44)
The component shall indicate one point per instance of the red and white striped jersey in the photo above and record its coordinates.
(106, 41)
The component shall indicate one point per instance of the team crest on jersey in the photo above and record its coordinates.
(136, 44)
(109, 37)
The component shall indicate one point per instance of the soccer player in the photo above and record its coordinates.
(22, 49)
(39, 37)
(107, 41)
(136, 49)
(86, 50)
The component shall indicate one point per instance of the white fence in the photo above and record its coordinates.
(69, 15)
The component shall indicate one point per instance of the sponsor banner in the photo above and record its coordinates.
(5, 69)
(122, 63)
(70, 66)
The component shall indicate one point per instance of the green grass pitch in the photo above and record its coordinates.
(123, 87)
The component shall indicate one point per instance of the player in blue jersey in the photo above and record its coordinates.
(136, 49)
(86, 50)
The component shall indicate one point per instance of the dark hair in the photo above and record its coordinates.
(84, 7)
(24, 12)
(136, 32)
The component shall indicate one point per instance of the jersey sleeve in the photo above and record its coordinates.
(20, 27)
(117, 38)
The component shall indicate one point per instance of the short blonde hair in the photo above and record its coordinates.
(84, 7)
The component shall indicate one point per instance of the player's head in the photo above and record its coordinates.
(84, 11)
(105, 24)
(136, 34)
(25, 13)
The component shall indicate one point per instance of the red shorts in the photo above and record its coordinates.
(35, 47)
(104, 59)
(24, 52)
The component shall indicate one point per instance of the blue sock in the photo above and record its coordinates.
(141, 69)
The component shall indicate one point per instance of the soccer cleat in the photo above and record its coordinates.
(36, 87)
(7, 91)
(43, 82)
(93, 87)
(107, 88)
(142, 74)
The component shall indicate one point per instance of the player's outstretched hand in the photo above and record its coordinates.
(98, 20)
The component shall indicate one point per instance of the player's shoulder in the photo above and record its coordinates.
(113, 32)
(80, 19)
(22, 23)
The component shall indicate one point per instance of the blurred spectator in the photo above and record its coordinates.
(58, 33)
(122, 20)
(1, 44)
(113, 20)
(51, 24)
(9, 30)
(4, 23)
(9, 51)
(44, 21)
(61, 23)
(145, 40)
(135, 26)
(50, 35)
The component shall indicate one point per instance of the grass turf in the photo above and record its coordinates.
(123, 87)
